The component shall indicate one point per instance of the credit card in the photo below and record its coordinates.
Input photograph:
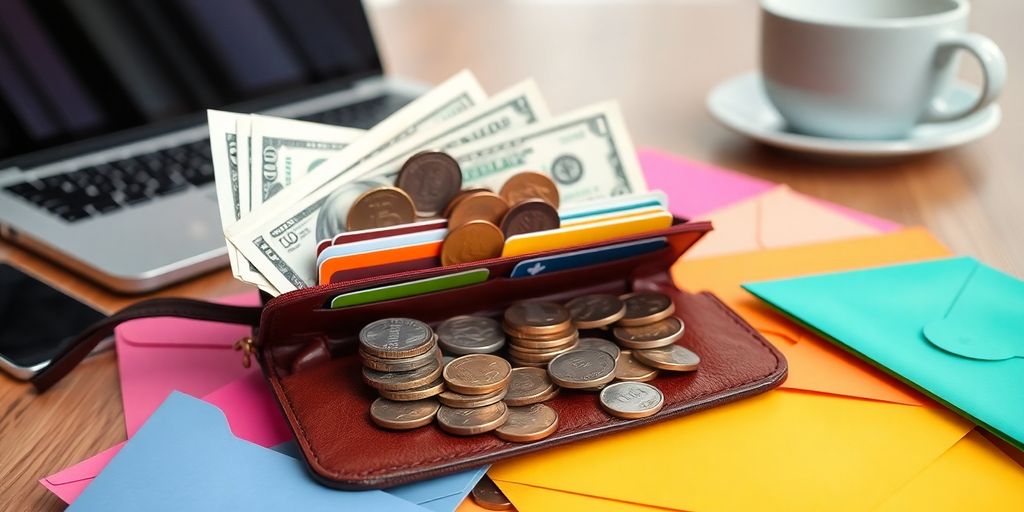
(586, 257)
(560, 238)
(611, 216)
(349, 274)
(411, 288)
(379, 257)
(369, 234)
(614, 204)
(378, 244)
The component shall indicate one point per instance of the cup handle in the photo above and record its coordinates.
(993, 67)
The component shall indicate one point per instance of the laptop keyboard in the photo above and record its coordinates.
(105, 188)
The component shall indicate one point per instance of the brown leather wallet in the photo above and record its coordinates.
(327, 404)
(308, 353)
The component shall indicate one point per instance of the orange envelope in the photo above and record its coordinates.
(779, 217)
(814, 364)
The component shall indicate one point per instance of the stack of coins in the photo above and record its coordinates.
(538, 332)
(402, 362)
(480, 391)
(473, 404)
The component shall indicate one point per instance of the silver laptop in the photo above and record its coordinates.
(104, 157)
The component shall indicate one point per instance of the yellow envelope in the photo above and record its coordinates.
(585, 233)
(779, 217)
(814, 364)
(528, 498)
(783, 450)
(972, 475)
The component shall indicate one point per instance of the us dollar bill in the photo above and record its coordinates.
(224, 150)
(453, 97)
(287, 244)
(284, 151)
(515, 107)
(588, 153)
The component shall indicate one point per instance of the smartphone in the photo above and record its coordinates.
(36, 322)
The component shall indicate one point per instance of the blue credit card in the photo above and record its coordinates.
(586, 257)
(378, 244)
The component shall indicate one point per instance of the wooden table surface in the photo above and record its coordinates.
(660, 59)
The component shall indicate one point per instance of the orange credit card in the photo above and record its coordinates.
(376, 258)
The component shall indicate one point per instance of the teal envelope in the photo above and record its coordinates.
(953, 328)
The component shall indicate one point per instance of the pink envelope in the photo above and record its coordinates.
(695, 188)
(777, 218)
(251, 412)
(158, 355)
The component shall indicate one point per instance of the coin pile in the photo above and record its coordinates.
(480, 391)
(429, 185)
(538, 332)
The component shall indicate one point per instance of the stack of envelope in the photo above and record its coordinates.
(839, 433)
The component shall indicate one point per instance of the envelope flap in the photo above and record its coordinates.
(181, 332)
(986, 319)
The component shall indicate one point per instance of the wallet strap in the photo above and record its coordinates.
(75, 351)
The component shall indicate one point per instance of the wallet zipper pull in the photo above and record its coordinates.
(246, 346)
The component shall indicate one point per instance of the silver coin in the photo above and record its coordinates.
(672, 358)
(466, 334)
(632, 400)
(396, 338)
(331, 218)
(599, 344)
(582, 369)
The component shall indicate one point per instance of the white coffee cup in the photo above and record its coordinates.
(870, 69)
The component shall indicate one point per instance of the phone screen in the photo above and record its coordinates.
(37, 321)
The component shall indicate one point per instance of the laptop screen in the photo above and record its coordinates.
(71, 69)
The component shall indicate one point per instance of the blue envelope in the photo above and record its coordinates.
(185, 458)
(953, 328)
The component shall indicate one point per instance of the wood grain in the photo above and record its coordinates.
(659, 58)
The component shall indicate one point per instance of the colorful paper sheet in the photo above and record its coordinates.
(777, 218)
(784, 450)
(814, 364)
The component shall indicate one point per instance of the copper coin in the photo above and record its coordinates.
(582, 369)
(400, 365)
(380, 207)
(460, 401)
(487, 495)
(396, 338)
(528, 386)
(403, 415)
(597, 310)
(627, 368)
(539, 357)
(644, 308)
(432, 179)
(530, 185)
(561, 340)
(632, 400)
(433, 389)
(473, 241)
(528, 423)
(468, 422)
(464, 193)
(530, 216)
(481, 205)
(672, 358)
(551, 336)
(526, 364)
(477, 374)
(526, 346)
(401, 381)
(600, 344)
(467, 334)
(538, 317)
(658, 334)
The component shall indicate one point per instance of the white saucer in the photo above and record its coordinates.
(740, 104)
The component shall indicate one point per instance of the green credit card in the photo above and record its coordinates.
(410, 288)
